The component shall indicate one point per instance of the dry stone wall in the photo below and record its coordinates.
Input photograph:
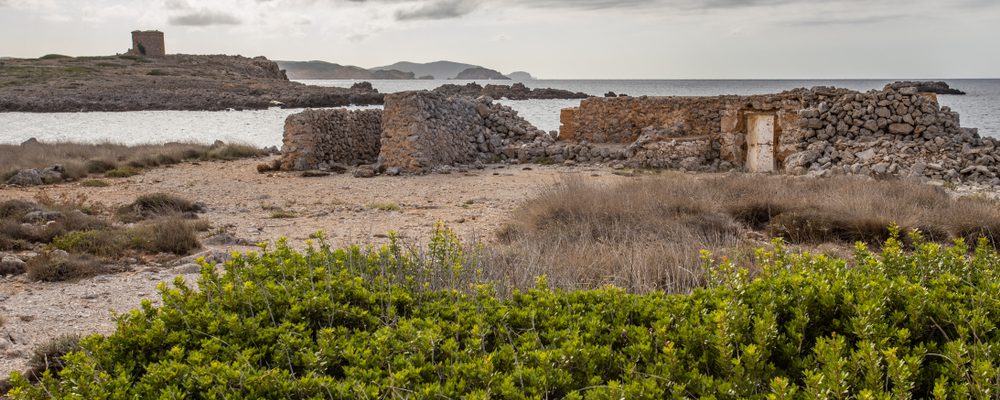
(321, 139)
(425, 130)
(622, 119)
(891, 132)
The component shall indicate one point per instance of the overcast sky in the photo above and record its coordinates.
(668, 39)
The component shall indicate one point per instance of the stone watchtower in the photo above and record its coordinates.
(148, 44)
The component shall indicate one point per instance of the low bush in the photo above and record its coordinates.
(167, 235)
(400, 322)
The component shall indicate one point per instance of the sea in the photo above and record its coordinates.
(980, 109)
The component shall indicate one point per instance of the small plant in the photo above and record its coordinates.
(385, 206)
(283, 214)
(122, 172)
(95, 183)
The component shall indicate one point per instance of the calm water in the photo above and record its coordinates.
(979, 109)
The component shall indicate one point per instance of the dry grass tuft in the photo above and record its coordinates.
(51, 268)
(49, 356)
(645, 234)
(158, 205)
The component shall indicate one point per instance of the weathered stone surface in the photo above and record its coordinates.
(319, 139)
(901, 129)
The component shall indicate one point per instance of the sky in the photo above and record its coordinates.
(556, 39)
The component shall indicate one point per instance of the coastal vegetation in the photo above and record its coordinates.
(74, 241)
(910, 320)
(646, 233)
(81, 160)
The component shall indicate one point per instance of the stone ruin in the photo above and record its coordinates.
(416, 132)
(147, 44)
(819, 131)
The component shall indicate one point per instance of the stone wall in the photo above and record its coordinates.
(321, 139)
(891, 132)
(424, 130)
(622, 119)
(148, 43)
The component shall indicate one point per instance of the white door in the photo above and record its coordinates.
(760, 143)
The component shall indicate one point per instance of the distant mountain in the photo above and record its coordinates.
(520, 76)
(477, 73)
(437, 69)
(327, 70)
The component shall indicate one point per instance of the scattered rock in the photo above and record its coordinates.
(364, 171)
(11, 265)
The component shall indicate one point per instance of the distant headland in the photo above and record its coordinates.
(441, 70)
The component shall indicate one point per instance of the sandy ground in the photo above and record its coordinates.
(243, 203)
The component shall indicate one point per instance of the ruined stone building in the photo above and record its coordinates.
(148, 44)
(819, 131)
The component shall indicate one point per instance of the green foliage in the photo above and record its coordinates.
(401, 322)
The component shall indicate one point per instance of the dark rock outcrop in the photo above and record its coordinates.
(925, 87)
(516, 91)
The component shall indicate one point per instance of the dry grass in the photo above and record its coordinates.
(646, 234)
(113, 160)
(158, 205)
(49, 356)
(51, 268)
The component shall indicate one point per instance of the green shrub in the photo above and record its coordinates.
(396, 322)
(122, 172)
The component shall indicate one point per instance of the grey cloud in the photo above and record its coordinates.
(204, 18)
(826, 21)
(438, 9)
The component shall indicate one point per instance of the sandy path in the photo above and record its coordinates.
(242, 202)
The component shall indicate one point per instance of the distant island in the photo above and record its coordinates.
(442, 70)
